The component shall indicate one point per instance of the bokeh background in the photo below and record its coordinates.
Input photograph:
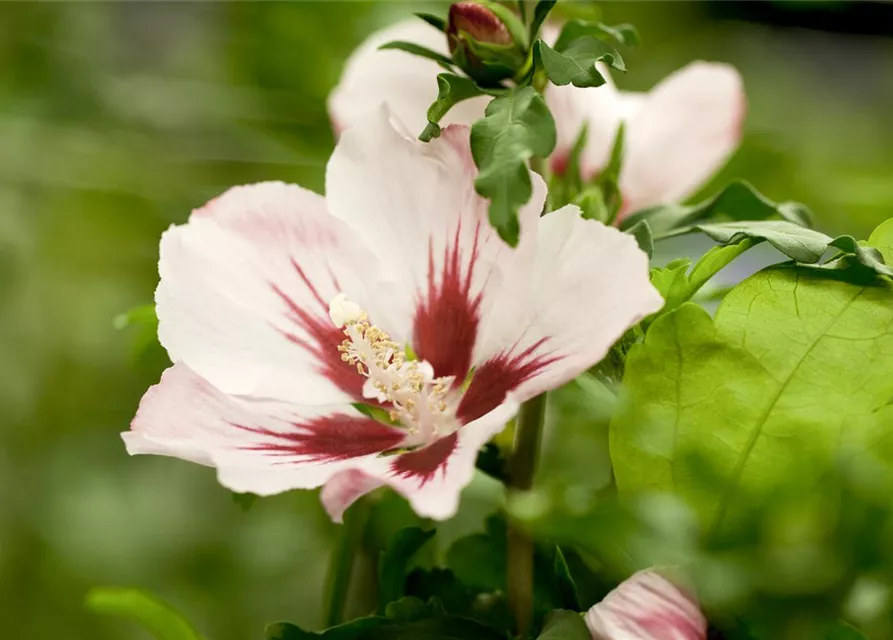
(117, 118)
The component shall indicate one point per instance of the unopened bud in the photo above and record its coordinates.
(486, 41)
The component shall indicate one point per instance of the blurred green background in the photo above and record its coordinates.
(117, 118)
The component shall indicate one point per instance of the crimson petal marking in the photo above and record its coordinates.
(324, 339)
(333, 438)
(498, 376)
(446, 321)
(423, 464)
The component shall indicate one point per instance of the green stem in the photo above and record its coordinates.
(344, 552)
(521, 470)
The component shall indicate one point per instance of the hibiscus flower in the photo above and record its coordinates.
(676, 136)
(379, 335)
(647, 606)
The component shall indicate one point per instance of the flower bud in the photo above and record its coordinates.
(486, 41)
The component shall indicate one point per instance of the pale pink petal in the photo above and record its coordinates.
(601, 109)
(345, 488)
(432, 478)
(244, 293)
(405, 82)
(686, 129)
(258, 446)
(647, 606)
(560, 315)
(415, 203)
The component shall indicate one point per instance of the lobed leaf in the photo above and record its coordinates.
(451, 90)
(516, 127)
(576, 63)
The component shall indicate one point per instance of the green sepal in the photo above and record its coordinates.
(540, 13)
(419, 50)
(435, 21)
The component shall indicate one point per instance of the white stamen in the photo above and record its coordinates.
(424, 404)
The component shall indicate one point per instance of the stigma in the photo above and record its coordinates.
(416, 399)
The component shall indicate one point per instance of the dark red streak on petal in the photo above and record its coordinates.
(423, 464)
(322, 341)
(499, 375)
(446, 321)
(328, 439)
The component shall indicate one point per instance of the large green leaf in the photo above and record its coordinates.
(576, 64)
(451, 90)
(565, 625)
(154, 615)
(394, 563)
(738, 201)
(794, 370)
(516, 127)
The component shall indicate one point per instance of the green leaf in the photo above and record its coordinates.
(576, 64)
(642, 233)
(543, 7)
(795, 367)
(565, 625)
(419, 50)
(516, 127)
(394, 563)
(435, 21)
(882, 240)
(804, 245)
(738, 201)
(138, 316)
(512, 22)
(154, 615)
(451, 90)
(564, 583)
(625, 34)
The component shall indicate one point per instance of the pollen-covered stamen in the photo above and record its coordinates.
(422, 403)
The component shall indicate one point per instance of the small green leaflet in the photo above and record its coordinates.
(738, 201)
(451, 90)
(419, 50)
(394, 562)
(565, 625)
(516, 127)
(676, 285)
(576, 63)
(795, 369)
(154, 615)
(625, 34)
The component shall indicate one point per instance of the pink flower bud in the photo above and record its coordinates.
(647, 606)
(477, 21)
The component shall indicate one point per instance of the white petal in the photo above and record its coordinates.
(432, 478)
(257, 446)
(345, 488)
(686, 129)
(647, 607)
(405, 82)
(600, 108)
(416, 205)
(245, 288)
(587, 285)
